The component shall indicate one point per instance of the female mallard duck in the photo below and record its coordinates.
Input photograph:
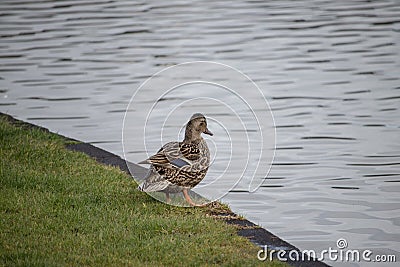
(179, 166)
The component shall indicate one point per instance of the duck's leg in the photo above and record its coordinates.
(187, 197)
(168, 198)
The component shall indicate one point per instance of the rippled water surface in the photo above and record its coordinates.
(330, 70)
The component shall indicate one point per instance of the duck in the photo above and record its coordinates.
(180, 166)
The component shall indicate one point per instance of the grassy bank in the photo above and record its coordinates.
(59, 207)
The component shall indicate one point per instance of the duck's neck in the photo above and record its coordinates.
(191, 136)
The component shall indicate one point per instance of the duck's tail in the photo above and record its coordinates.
(153, 182)
(153, 187)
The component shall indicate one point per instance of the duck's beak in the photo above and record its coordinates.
(208, 132)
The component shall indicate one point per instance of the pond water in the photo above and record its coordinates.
(329, 69)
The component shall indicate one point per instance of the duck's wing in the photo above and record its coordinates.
(174, 153)
(159, 158)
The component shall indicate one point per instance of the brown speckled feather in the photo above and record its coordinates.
(174, 150)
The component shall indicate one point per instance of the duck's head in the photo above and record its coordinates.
(196, 126)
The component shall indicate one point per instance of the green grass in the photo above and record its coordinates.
(59, 207)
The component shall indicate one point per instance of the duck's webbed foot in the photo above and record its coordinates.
(189, 200)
